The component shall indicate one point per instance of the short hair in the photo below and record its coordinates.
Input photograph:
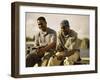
(65, 23)
(41, 18)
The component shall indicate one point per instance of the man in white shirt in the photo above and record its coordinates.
(45, 41)
(67, 46)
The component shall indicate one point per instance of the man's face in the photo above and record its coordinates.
(65, 29)
(42, 25)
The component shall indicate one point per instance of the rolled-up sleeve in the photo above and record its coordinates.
(53, 38)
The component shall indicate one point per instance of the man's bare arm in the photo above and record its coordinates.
(48, 47)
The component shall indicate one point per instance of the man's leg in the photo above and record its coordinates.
(46, 58)
(74, 57)
(53, 61)
(31, 60)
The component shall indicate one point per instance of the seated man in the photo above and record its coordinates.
(67, 46)
(45, 44)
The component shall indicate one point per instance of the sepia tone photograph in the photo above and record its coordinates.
(51, 39)
(56, 39)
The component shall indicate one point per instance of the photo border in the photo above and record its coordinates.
(15, 32)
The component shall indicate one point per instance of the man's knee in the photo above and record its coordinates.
(31, 60)
(53, 61)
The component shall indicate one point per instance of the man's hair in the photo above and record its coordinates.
(65, 23)
(41, 18)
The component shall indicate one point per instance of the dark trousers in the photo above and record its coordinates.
(32, 59)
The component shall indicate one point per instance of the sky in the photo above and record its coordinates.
(79, 23)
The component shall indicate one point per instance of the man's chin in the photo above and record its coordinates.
(43, 30)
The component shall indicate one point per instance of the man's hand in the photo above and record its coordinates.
(60, 55)
(41, 50)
